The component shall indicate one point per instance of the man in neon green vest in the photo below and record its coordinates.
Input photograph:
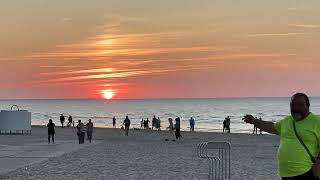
(294, 160)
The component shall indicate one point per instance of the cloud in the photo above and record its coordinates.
(306, 7)
(99, 74)
(308, 26)
(296, 9)
(276, 34)
(129, 52)
(65, 20)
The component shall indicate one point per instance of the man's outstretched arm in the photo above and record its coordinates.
(266, 126)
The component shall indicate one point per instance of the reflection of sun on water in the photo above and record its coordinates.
(107, 94)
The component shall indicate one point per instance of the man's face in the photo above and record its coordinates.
(299, 108)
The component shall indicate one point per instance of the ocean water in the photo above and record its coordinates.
(208, 113)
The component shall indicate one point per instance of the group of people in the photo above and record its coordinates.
(175, 127)
(81, 130)
(156, 123)
(226, 126)
(70, 121)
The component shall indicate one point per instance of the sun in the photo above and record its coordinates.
(107, 94)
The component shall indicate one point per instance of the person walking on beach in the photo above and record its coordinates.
(51, 131)
(89, 126)
(114, 122)
(226, 124)
(298, 152)
(69, 121)
(177, 128)
(81, 132)
(154, 121)
(62, 119)
(191, 124)
(255, 129)
(126, 124)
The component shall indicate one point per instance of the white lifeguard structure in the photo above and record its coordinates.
(15, 121)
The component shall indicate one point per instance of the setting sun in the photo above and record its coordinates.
(108, 94)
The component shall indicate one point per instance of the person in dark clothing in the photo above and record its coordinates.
(226, 124)
(154, 122)
(126, 124)
(147, 123)
(81, 132)
(89, 126)
(177, 127)
(62, 119)
(114, 122)
(69, 121)
(191, 124)
(51, 131)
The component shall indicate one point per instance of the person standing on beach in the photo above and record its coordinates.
(154, 121)
(51, 131)
(226, 124)
(62, 119)
(89, 126)
(158, 124)
(126, 124)
(114, 122)
(298, 153)
(191, 124)
(81, 132)
(69, 121)
(177, 127)
(147, 124)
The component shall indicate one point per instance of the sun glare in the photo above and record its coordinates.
(107, 94)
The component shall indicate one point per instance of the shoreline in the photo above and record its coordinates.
(138, 129)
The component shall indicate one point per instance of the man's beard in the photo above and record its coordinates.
(297, 116)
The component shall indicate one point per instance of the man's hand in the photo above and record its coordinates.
(249, 119)
(265, 126)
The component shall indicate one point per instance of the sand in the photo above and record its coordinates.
(143, 155)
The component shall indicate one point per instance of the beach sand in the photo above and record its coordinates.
(143, 154)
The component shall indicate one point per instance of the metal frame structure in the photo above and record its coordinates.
(219, 159)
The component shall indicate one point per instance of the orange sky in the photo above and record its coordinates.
(158, 49)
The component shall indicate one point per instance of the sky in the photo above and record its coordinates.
(158, 49)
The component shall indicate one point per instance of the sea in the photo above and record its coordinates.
(208, 113)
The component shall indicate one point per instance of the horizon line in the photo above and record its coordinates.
(178, 98)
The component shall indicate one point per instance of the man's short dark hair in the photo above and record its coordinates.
(301, 95)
